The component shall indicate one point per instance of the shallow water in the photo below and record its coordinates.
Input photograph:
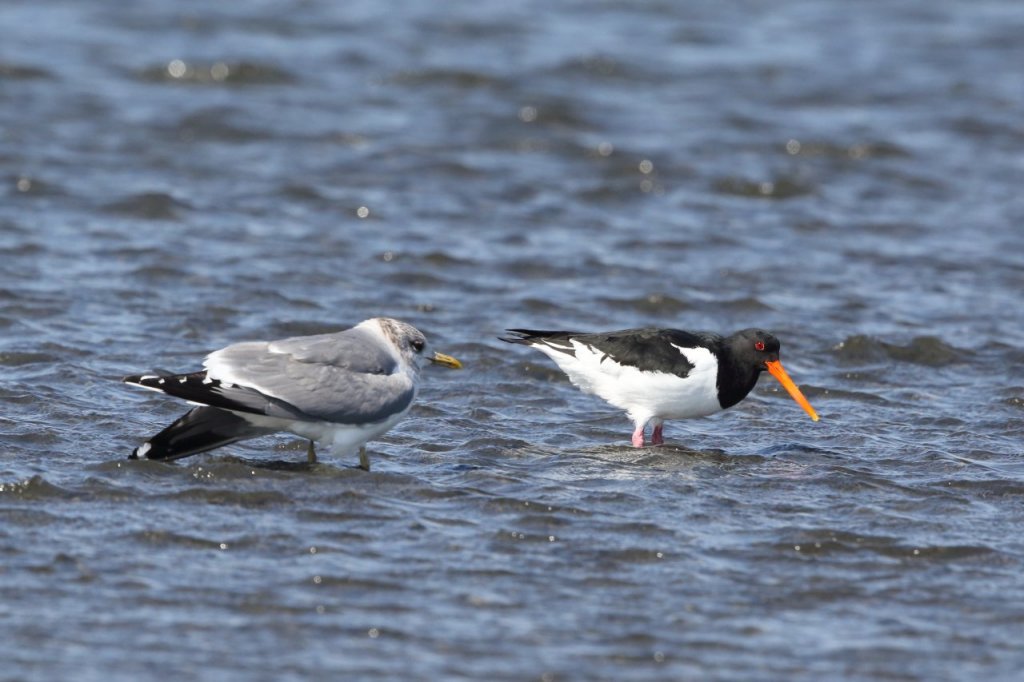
(178, 177)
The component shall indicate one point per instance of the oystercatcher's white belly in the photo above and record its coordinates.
(644, 395)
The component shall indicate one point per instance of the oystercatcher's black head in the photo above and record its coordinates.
(760, 349)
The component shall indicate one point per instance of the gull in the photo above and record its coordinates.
(339, 390)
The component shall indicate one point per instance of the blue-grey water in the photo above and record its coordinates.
(178, 176)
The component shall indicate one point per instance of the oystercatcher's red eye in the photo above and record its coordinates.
(759, 345)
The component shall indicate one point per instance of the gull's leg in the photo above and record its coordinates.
(364, 460)
(657, 435)
(638, 436)
(311, 454)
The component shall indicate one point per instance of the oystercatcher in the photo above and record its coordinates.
(339, 389)
(659, 374)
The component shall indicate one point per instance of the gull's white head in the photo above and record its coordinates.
(411, 344)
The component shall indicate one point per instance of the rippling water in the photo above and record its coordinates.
(179, 176)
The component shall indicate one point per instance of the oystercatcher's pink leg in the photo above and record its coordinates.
(657, 437)
(638, 437)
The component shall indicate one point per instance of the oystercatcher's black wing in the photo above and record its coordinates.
(648, 350)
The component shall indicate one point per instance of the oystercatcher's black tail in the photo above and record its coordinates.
(528, 336)
(201, 429)
(558, 341)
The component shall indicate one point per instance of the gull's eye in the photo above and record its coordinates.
(418, 344)
(759, 345)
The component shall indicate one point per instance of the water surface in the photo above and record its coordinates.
(177, 177)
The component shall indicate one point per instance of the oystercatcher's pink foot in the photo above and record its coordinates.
(657, 435)
(638, 437)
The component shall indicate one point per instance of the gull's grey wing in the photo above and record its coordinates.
(356, 349)
(347, 377)
(339, 395)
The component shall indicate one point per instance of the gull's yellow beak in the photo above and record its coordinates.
(775, 367)
(446, 360)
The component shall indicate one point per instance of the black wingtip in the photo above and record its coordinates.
(144, 451)
(199, 430)
(149, 379)
(144, 380)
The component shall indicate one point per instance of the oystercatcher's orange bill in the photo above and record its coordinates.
(775, 367)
